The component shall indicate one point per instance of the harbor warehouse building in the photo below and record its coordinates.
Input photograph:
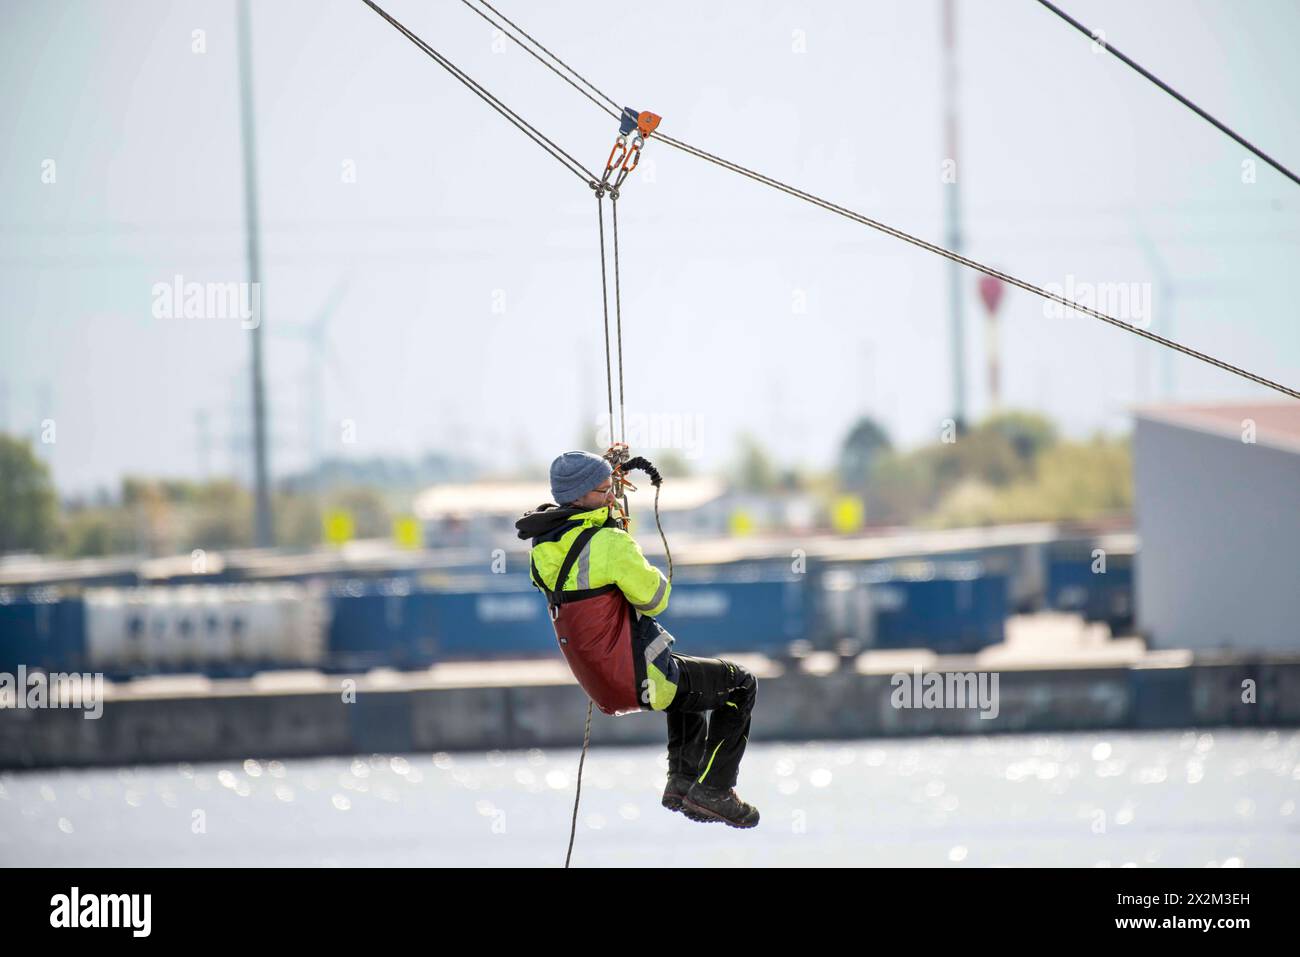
(1217, 501)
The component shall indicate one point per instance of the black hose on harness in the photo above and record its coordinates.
(641, 463)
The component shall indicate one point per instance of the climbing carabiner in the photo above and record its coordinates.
(628, 122)
(616, 156)
(630, 161)
(616, 454)
(643, 123)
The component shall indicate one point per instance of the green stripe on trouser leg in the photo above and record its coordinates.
(710, 764)
(727, 692)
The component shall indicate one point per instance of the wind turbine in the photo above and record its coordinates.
(315, 332)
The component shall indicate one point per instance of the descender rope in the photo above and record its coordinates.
(623, 157)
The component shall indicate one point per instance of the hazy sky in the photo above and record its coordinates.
(471, 320)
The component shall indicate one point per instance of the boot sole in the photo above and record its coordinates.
(677, 805)
(704, 814)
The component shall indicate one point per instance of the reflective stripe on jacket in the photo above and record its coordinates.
(611, 558)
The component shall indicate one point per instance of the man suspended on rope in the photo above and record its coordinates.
(603, 595)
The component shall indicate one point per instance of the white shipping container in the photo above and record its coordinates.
(190, 625)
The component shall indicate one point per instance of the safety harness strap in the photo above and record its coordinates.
(555, 598)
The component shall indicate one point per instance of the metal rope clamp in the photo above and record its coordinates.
(617, 456)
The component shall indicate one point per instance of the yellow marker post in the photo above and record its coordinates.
(741, 523)
(848, 514)
(407, 532)
(339, 527)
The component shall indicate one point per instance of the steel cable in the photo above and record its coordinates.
(532, 132)
(898, 233)
(1222, 127)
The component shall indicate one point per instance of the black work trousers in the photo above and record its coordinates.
(710, 751)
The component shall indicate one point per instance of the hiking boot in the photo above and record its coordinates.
(719, 804)
(678, 785)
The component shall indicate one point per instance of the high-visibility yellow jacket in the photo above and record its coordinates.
(612, 558)
(603, 611)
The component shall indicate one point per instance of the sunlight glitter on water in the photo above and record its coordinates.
(1186, 799)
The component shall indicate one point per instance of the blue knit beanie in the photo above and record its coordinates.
(574, 474)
